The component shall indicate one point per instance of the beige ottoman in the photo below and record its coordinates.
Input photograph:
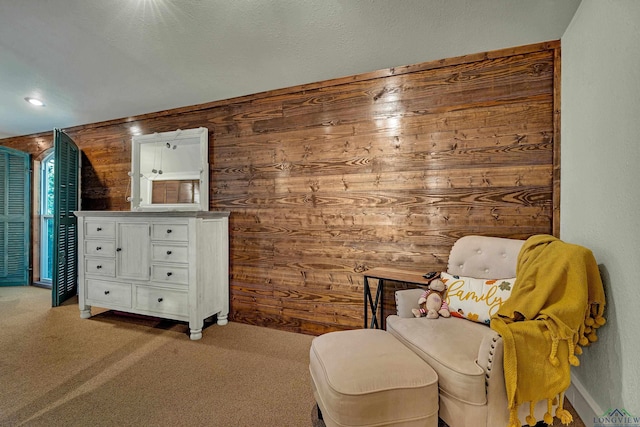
(366, 377)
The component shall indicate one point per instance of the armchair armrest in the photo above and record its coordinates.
(407, 299)
(490, 357)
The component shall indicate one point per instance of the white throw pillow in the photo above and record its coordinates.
(475, 299)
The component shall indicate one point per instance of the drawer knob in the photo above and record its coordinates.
(169, 231)
(99, 229)
(99, 248)
(168, 252)
(98, 267)
(169, 274)
(106, 292)
(118, 249)
(160, 299)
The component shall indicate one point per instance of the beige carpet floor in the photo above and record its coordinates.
(122, 370)
(118, 369)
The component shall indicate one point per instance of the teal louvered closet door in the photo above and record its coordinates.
(66, 200)
(15, 193)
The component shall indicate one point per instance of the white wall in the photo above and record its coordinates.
(600, 186)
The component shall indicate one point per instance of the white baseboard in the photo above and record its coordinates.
(582, 402)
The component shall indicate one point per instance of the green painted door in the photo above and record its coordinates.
(15, 216)
(66, 200)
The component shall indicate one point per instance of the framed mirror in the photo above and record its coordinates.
(170, 171)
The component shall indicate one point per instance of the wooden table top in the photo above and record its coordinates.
(398, 275)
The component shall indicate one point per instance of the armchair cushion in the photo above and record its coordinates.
(461, 373)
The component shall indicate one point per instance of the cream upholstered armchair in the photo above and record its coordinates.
(466, 355)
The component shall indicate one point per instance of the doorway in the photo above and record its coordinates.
(58, 178)
(46, 204)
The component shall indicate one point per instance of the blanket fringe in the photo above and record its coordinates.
(513, 417)
(562, 414)
(531, 418)
(548, 418)
(553, 358)
(593, 320)
(573, 360)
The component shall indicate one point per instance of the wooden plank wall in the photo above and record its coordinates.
(389, 168)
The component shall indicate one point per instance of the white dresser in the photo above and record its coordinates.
(173, 265)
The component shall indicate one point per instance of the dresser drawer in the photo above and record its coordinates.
(170, 232)
(170, 274)
(100, 229)
(170, 253)
(100, 266)
(106, 248)
(162, 301)
(109, 293)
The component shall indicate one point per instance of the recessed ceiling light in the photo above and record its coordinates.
(34, 101)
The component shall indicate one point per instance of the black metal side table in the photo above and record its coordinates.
(382, 274)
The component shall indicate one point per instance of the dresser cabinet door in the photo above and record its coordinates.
(132, 251)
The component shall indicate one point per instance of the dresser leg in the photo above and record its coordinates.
(195, 328)
(222, 318)
(85, 313)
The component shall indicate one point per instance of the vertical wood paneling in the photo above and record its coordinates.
(388, 168)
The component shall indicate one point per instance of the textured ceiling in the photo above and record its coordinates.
(95, 60)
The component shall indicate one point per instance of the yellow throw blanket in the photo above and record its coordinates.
(555, 307)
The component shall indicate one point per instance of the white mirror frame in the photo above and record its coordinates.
(141, 192)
